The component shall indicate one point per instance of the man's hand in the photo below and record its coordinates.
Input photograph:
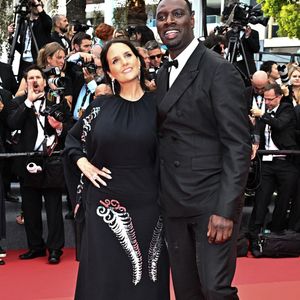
(32, 95)
(87, 57)
(11, 29)
(54, 123)
(255, 112)
(254, 151)
(219, 229)
(87, 75)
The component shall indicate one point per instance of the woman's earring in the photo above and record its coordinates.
(113, 86)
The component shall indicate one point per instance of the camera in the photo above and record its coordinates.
(23, 8)
(240, 14)
(91, 66)
(52, 71)
(59, 82)
(78, 27)
(55, 111)
(152, 73)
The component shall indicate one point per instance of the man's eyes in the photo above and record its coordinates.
(175, 14)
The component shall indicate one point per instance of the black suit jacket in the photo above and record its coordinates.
(5, 97)
(283, 128)
(24, 118)
(8, 78)
(57, 38)
(204, 138)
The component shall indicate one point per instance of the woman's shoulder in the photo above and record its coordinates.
(102, 100)
(150, 96)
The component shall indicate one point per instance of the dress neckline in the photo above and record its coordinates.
(131, 101)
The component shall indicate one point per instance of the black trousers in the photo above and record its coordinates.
(32, 208)
(280, 175)
(200, 270)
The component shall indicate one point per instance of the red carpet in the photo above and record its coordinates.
(256, 279)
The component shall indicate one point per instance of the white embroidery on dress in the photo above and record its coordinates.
(155, 249)
(86, 128)
(119, 221)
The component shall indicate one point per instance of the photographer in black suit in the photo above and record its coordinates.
(277, 132)
(60, 28)
(43, 129)
(30, 41)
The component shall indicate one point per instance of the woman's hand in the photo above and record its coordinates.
(93, 173)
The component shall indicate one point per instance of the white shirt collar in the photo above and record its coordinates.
(182, 58)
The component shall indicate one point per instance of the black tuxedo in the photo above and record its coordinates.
(204, 147)
(56, 37)
(280, 173)
(24, 118)
(8, 78)
(5, 97)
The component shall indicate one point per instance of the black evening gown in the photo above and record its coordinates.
(123, 255)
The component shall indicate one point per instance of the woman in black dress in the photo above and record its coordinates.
(123, 255)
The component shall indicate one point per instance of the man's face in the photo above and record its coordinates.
(63, 24)
(85, 46)
(155, 56)
(144, 54)
(36, 79)
(175, 25)
(271, 99)
(274, 72)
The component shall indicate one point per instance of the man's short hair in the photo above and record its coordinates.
(151, 45)
(80, 36)
(33, 67)
(56, 18)
(274, 86)
(189, 5)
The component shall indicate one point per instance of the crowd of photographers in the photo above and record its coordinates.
(60, 73)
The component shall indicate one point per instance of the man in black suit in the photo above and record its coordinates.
(39, 132)
(60, 28)
(7, 78)
(30, 41)
(277, 132)
(204, 147)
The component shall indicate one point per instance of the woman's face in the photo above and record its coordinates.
(124, 66)
(57, 59)
(295, 78)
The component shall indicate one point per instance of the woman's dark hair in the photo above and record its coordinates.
(146, 34)
(105, 65)
(267, 66)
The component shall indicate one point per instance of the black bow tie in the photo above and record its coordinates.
(170, 63)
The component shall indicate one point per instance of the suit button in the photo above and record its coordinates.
(176, 163)
(179, 113)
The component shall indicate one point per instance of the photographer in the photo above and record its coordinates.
(86, 81)
(60, 28)
(250, 41)
(34, 33)
(43, 127)
(82, 68)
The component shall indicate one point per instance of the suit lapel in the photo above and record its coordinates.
(182, 82)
